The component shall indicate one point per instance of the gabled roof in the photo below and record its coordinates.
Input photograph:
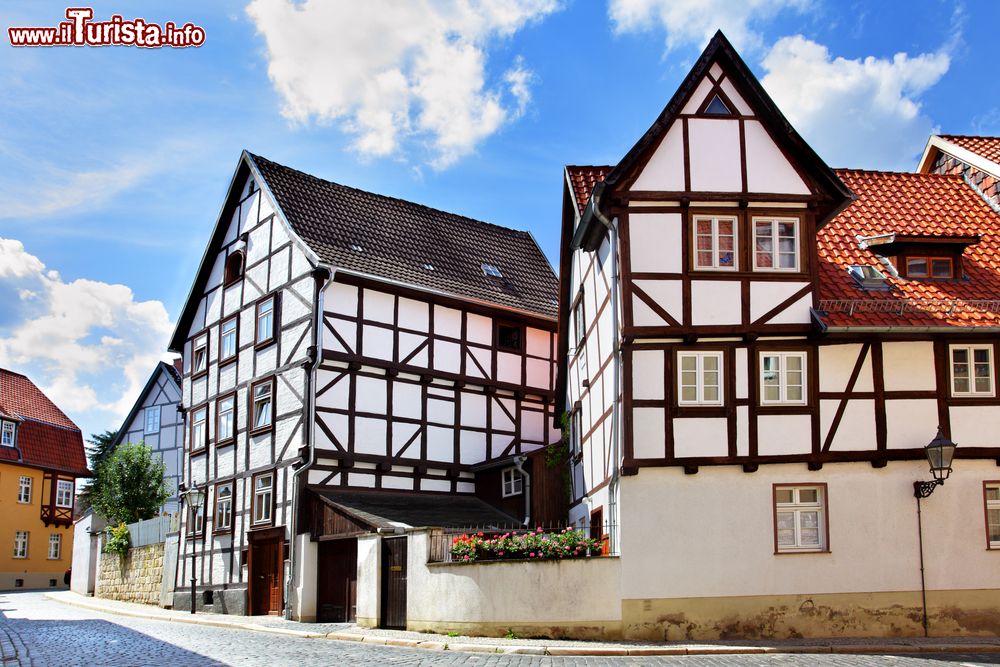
(171, 371)
(917, 205)
(46, 437)
(397, 238)
(987, 147)
(582, 179)
(835, 194)
(983, 153)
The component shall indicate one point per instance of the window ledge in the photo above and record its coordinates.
(800, 552)
(263, 430)
(228, 360)
(264, 343)
(199, 375)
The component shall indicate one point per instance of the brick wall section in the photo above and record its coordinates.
(988, 186)
(136, 578)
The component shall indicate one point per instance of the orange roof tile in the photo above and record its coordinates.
(987, 147)
(583, 179)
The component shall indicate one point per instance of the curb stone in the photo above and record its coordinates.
(546, 650)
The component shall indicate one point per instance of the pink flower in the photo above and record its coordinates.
(532, 554)
(499, 553)
(539, 529)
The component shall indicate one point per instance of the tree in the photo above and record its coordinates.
(101, 447)
(130, 485)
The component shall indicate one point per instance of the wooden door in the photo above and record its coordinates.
(337, 583)
(394, 583)
(265, 576)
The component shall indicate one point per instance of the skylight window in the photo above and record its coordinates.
(868, 277)
(491, 271)
(428, 267)
(356, 248)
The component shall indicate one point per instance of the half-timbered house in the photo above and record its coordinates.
(755, 351)
(354, 362)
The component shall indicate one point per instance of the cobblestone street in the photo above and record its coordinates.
(38, 631)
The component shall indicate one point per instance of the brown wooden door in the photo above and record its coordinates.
(337, 583)
(394, 583)
(265, 576)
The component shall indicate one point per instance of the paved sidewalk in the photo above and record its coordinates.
(350, 632)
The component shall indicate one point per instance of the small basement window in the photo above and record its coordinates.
(510, 337)
(491, 271)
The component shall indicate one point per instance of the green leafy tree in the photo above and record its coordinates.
(101, 447)
(130, 485)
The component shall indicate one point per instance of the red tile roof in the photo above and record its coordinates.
(583, 179)
(901, 203)
(920, 205)
(987, 147)
(46, 437)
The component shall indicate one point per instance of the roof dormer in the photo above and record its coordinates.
(921, 256)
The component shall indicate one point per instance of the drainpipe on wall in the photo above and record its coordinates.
(594, 209)
(519, 462)
(321, 277)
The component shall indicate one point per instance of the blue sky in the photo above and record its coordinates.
(114, 161)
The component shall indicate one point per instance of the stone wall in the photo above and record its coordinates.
(136, 578)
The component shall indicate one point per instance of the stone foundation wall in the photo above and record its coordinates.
(136, 578)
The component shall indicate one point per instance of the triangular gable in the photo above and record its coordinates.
(690, 150)
(168, 372)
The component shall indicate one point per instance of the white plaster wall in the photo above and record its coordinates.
(698, 96)
(836, 362)
(908, 366)
(910, 423)
(655, 241)
(730, 90)
(784, 434)
(647, 374)
(714, 154)
(705, 436)
(976, 426)
(665, 169)
(766, 295)
(767, 169)
(856, 431)
(668, 294)
(648, 426)
(369, 583)
(568, 591)
(715, 302)
(714, 532)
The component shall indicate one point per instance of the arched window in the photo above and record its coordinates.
(234, 268)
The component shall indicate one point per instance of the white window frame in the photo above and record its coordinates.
(715, 219)
(513, 482)
(775, 252)
(147, 414)
(196, 519)
(55, 546)
(64, 493)
(971, 350)
(255, 400)
(991, 504)
(783, 378)
(221, 412)
(579, 322)
(267, 493)
(266, 316)
(231, 334)
(7, 434)
(797, 508)
(21, 538)
(199, 429)
(700, 373)
(24, 490)
(200, 345)
(224, 504)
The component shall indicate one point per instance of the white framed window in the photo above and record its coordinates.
(699, 378)
(7, 434)
(264, 324)
(971, 370)
(196, 519)
(64, 493)
(225, 414)
(513, 482)
(782, 378)
(21, 544)
(579, 322)
(55, 546)
(223, 507)
(199, 428)
(775, 244)
(800, 518)
(716, 243)
(263, 400)
(152, 419)
(991, 496)
(227, 340)
(199, 357)
(24, 490)
(576, 432)
(263, 497)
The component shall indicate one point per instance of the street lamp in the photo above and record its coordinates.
(195, 498)
(939, 452)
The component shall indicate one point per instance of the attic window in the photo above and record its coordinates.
(929, 267)
(251, 188)
(491, 271)
(234, 268)
(868, 278)
(356, 248)
(717, 108)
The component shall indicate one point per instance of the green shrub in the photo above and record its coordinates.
(538, 545)
(118, 540)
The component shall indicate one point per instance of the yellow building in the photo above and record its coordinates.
(41, 455)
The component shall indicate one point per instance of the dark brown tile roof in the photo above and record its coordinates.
(395, 239)
(987, 147)
(46, 437)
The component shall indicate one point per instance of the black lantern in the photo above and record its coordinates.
(939, 452)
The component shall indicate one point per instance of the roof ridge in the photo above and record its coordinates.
(52, 424)
(969, 136)
(407, 202)
(890, 172)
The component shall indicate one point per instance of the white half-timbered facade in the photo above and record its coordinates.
(755, 351)
(344, 350)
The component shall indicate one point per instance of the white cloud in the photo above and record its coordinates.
(862, 112)
(89, 345)
(693, 22)
(395, 72)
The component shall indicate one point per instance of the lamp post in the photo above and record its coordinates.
(939, 452)
(195, 498)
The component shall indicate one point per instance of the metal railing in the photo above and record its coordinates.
(440, 547)
(903, 306)
(152, 531)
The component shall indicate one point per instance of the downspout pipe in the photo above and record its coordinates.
(593, 212)
(519, 461)
(321, 278)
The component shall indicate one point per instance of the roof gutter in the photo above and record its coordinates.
(970, 331)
